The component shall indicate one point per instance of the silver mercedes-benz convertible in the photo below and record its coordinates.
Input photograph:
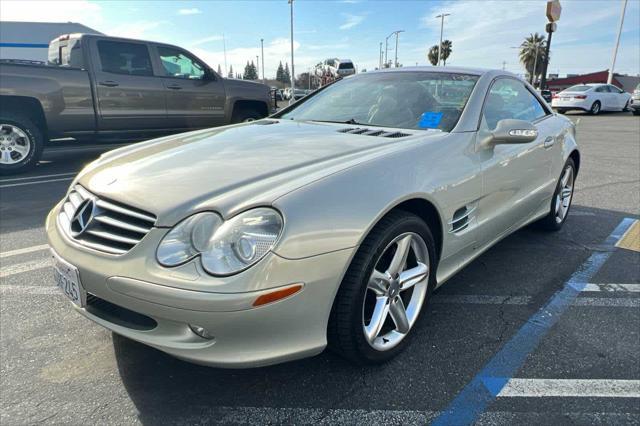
(327, 224)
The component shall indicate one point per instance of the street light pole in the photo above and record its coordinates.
(262, 53)
(441, 16)
(292, 68)
(257, 67)
(386, 45)
(615, 49)
(380, 56)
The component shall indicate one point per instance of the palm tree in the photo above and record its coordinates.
(447, 46)
(532, 54)
(433, 55)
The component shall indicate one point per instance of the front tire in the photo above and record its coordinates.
(561, 201)
(21, 143)
(246, 115)
(384, 290)
(595, 108)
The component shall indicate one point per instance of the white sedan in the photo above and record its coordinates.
(592, 98)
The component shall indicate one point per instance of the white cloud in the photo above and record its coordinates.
(327, 46)
(192, 11)
(141, 30)
(351, 21)
(207, 40)
(80, 11)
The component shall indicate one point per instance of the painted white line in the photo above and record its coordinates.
(612, 287)
(608, 302)
(481, 299)
(37, 177)
(571, 388)
(19, 268)
(28, 289)
(23, 250)
(36, 182)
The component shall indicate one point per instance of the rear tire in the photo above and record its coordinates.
(595, 108)
(561, 201)
(349, 314)
(21, 143)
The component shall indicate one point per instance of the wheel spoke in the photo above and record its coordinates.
(400, 257)
(565, 177)
(413, 276)
(399, 315)
(378, 282)
(21, 149)
(6, 130)
(380, 313)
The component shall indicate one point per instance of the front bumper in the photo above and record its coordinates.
(634, 104)
(244, 336)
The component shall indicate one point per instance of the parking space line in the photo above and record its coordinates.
(608, 302)
(481, 299)
(604, 388)
(37, 177)
(476, 396)
(611, 288)
(19, 268)
(25, 250)
(36, 182)
(631, 239)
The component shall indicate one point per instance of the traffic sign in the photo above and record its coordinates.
(553, 10)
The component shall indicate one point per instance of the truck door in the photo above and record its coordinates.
(195, 95)
(129, 96)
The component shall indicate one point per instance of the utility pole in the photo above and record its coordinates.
(257, 67)
(396, 61)
(615, 49)
(262, 53)
(553, 15)
(441, 16)
(293, 73)
(504, 64)
(380, 56)
(224, 48)
(386, 46)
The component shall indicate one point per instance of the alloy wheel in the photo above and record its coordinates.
(564, 195)
(396, 291)
(14, 144)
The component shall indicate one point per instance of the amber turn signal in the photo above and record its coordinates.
(276, 295)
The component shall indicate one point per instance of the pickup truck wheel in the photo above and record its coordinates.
(21, 143)
(246, 115)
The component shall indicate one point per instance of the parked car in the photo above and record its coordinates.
(546, 95)
(593, 98)
(277, 93)
(634, 103)
(286, 93)
(330, 223)
(97, 87)
(299, 94)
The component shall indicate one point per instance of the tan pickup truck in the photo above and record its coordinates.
(95, 87)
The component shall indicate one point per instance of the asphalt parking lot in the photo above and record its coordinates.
(541, 328)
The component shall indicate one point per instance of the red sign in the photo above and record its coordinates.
(553, 10)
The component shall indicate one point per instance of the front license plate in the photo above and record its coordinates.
(67, 278)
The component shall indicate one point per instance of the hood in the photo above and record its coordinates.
(229, 169)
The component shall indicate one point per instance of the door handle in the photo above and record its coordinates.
(108, 83)
(174, 87)
(549, 141)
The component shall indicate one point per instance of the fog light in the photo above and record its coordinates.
(201, 331)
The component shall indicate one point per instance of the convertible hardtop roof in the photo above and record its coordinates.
(456, 70)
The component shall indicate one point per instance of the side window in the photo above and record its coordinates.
(602, 89)
(177, 64)
(614, 89)
(124, 58)
(509, 98)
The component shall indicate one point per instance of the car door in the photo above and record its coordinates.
(619, 97)
(517, 181)
(195, 95)
(608, 99)
(129, 96)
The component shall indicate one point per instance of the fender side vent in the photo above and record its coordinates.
(461, 219)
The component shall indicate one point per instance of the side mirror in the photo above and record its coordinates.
(511, 131)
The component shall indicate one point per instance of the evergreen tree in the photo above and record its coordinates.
(230, 75)
(286, 75)
(219, 70)
(280, 73)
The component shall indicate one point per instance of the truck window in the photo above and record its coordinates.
(177, 64)
(65, 52)
(124, 58)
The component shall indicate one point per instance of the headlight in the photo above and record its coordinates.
(224, 248)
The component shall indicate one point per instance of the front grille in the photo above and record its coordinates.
(111, 228)
(118, 315)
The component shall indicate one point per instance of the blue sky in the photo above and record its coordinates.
(482, 31)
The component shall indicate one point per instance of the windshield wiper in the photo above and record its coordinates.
(349, 121)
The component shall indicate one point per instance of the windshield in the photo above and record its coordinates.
(579, 88)
(408, 99)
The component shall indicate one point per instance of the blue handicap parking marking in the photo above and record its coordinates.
(430, 120)
(476, 396)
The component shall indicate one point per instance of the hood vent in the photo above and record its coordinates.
(373, 132)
